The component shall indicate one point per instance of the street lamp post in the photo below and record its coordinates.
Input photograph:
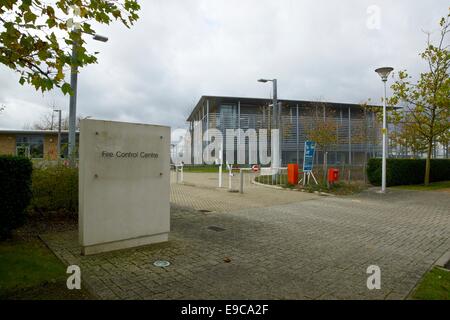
(384, 73)
(276, 123)
(73, 97)
(59, 133)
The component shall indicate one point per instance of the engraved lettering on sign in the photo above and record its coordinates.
(129, 155)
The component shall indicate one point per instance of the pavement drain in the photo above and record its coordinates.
(204, 211)
(217, 229)
(161, 263)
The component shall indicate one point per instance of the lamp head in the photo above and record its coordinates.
(263, 80)
(100, 38)
(384, 72)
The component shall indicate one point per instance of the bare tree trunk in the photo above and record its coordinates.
(428, 162)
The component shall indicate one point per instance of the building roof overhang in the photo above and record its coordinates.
(260, 102)
(18, 131)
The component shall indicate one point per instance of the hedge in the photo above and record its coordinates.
(15, 192)
(407, 171)
(55, 189)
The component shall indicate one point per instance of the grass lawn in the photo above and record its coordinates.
(202, 169)
(29, 270)
(432, 187)
(434, 286)
(207, 168)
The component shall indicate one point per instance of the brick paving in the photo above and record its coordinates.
(205, 196)
(282, 245)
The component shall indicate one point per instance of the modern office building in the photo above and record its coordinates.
(354, 131)
(35, 144)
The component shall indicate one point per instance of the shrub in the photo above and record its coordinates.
(407, 171)
(55, 189)
(15, 192)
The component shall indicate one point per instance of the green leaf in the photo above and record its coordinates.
(40, 59)
(66, 89)
(29, 17)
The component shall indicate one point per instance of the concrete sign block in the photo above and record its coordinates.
(124, 187)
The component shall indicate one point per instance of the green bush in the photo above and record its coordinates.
(55, 189)
(15, 192)
(407, 171)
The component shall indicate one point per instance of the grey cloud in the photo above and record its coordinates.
(179, 50)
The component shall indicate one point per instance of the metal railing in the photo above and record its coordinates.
(241, 179)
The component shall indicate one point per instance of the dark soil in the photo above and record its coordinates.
(38, 224)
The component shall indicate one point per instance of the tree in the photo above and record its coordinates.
(321, 127)
(406, 136)
(49, 121)
(444, 140)
(36, 36)
(427, 101)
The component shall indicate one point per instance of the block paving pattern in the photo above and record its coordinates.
(310, 248)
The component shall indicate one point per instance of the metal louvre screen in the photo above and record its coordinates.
(356, 138)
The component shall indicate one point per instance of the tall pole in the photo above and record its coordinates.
(51, 126)
(220, 164)
(73, 105)
(59, 135)
(73, 97)
(383, 169)
(384, 74)
(298, 153)
(276, 125)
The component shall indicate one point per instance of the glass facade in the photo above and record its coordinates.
(30, 146)
(228, 115)
(354, 131)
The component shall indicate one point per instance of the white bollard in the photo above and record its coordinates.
(230, 174)
(241, 189)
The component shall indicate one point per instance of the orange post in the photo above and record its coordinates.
(293, 174)
(333, 175)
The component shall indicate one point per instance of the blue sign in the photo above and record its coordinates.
(308, 159)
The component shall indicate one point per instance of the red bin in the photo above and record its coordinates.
(292, 174)
(333, 175)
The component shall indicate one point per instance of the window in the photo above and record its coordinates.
(245, 122)
(30, 146)
(65, 145)
(228, 110)
(228, 115)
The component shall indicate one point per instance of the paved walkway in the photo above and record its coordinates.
(280, 245)
(201, 193)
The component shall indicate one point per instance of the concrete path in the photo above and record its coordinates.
(204, 195)
(274, 244)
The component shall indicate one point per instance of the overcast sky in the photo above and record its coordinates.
(180, 50)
